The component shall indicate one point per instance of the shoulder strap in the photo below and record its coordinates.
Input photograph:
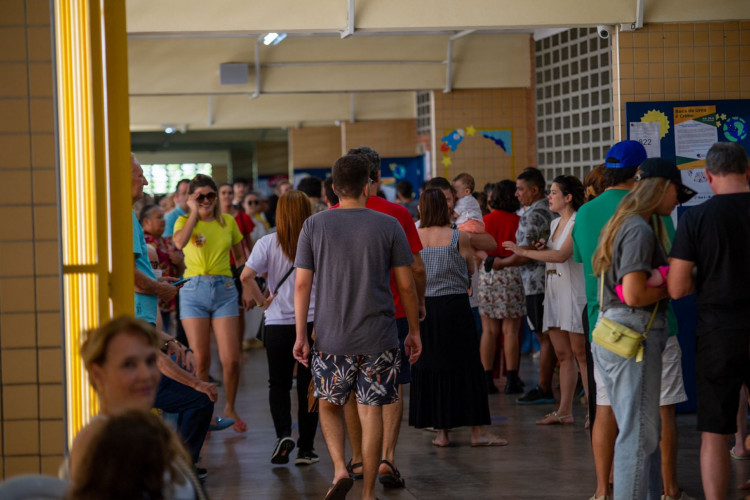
(283, 279)
(601, 299)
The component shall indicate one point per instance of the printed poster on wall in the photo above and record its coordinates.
(649, 135)
(695, 132)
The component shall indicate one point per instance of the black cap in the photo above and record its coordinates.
(659, 167)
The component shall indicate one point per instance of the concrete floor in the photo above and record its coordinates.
(539, 462)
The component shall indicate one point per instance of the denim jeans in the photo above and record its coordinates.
(634, 390)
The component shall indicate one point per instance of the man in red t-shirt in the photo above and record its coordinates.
(392, 413)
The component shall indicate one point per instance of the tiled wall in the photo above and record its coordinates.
(686, 61)
(314, 147)
(486, 109)
(32, 433)
(390, 138)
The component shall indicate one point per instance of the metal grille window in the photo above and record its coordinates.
(423, 113)
(573, 102)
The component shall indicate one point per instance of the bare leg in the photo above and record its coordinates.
(669, 451)
(392, 414)
(715, 465)
(568, 370)
(354, 430)
(546, 362)
(603, 438)
(578, 344)
(488, 344)
(332, 425)
(229, 342)
(739, 437)
(510, 328)
(198, 332)
(371, 418)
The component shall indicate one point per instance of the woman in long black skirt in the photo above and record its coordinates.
(448, 388)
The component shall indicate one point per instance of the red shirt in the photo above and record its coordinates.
(415, 244)
(246, 225)
(502, 226)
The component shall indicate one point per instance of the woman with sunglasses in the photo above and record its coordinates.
(252, 205)
(208, 301)
(274, 255)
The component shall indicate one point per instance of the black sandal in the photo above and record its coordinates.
(350, 469)
(393, 480)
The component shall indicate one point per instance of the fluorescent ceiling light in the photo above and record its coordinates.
(273, 38)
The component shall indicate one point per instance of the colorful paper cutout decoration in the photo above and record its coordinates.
(452, 140)
(734, 128)
(447, 162)
(657, 116)
(499, 137)
(470, 130)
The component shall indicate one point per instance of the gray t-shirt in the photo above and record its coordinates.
(533, 226)
(635, 249)
(352, 252)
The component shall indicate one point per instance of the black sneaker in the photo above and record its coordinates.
(514, 386)
(536, 396)
(200, 473)
(306, 457)
(284, 447)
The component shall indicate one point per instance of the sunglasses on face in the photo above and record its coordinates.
(209, 196)
(252, 202)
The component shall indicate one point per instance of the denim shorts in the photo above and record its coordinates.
(208, 297)
(373, 377)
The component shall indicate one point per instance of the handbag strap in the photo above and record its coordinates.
(283, 279)
(601, 299)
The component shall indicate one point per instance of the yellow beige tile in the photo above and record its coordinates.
(701, 69)
(731, 37)
(16, 259)
(672, 55)
(45, 222)
(15, 150)
(11, 13)
(687, 85)
(745, 52)
(626, 56)
(19, 366)
(655, 86)
(21, 438)
(702, 54)
(640, 39)
(14, 115)
(15, 223)
(671, 27)
(732, 85)
(640, 70)
(50, 366)
(13, 42)
(17, 294)
(672, 85)
(37, 12)
(717, 84)
(51, 402)
(655, 55)
(671, 70)
(731, 25)
(626, 87)
(42, 115)
(14, 81)
(20, 402)
(625, 39)
(656, 70)
(51, 464)
(626, 71)
(641, 86)
(716, 27)
(672, 96)
(46, 257)
(640, 55)
(672, 39)
(40, 44)
(48, 293)
(731, 95)
(702, 85)
(687, 70)
(744, 25)
(49, 329)
(686, 27)
(21, 182)
(685, 39)
(15, 466)
(41, 83)
(732, 69)
(716, 38)
(642, 97)
(18, 330)
(52, 435)
(701, 38)
(716, 68)
(656, 39)
(732, 53)
(45, 186)
(744, 69)
(43, 150)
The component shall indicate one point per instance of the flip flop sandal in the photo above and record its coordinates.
(350, 469)
(392, 480)
(494, 441)
(339, 490)
(738, 457)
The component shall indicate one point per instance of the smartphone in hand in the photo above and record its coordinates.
(181, 282)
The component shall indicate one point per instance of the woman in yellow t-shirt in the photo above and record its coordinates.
(209, 299)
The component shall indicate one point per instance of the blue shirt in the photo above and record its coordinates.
(145, 305)
(170, 218)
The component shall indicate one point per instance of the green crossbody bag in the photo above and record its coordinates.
(618, 338)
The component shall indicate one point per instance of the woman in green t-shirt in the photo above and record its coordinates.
(208, 301)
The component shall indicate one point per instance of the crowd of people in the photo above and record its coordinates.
(438, 304)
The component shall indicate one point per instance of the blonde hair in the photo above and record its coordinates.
(644, 199)
(94, 347)
(292, 211)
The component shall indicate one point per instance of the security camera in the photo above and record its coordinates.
(603, 31)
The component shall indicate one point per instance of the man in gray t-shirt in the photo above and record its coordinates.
(351, 251)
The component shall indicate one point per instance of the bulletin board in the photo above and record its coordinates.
(683, 131)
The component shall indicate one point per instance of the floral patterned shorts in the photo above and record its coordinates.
(372, 376)
(501, 293)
